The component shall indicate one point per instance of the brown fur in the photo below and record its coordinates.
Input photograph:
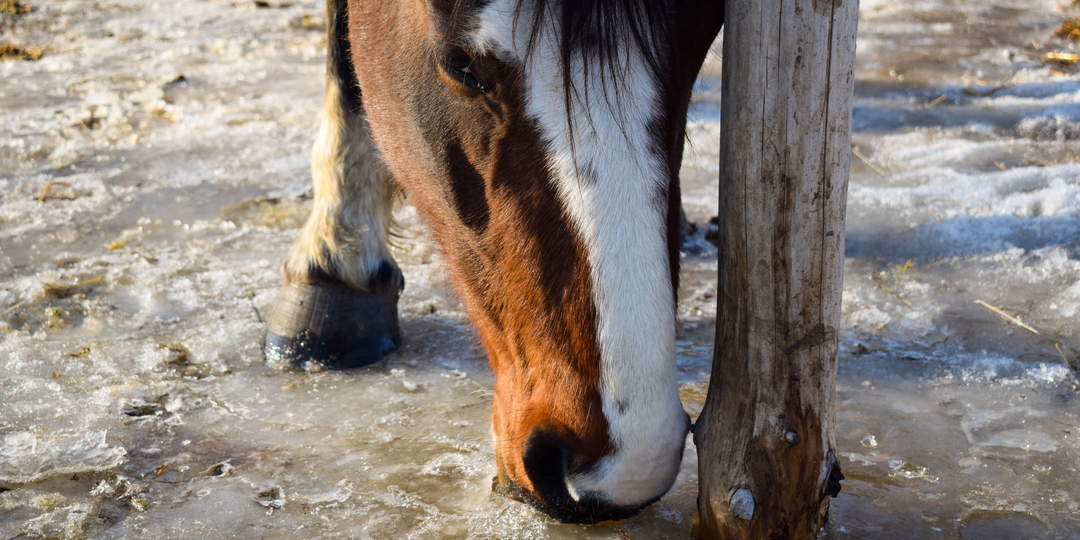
(485, 193)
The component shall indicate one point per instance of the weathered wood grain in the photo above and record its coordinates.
(766, 437)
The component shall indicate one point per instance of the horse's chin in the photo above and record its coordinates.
(588, 511)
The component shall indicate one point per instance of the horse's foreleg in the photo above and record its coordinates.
(338, 306)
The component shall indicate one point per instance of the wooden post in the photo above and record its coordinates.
(766, 436)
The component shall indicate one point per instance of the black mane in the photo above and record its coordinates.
(598, 28)
(597, 31)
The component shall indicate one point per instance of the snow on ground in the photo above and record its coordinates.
(135, 402)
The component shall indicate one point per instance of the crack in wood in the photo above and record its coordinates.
(817, 335)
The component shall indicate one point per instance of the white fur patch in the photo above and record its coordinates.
(614, 199)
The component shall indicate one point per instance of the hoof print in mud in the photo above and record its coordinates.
(319, 326)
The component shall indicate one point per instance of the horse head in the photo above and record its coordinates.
(541, 142)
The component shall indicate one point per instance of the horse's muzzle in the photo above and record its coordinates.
(549, 461)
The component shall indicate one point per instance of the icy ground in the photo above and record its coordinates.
(133, 397)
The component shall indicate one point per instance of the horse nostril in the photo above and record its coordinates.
(549, 460)
(545, 464)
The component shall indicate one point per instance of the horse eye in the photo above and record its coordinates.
(461, 73)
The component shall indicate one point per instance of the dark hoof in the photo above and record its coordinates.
(320, 326)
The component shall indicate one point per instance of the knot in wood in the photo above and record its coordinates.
(741, 502)
(792, 438)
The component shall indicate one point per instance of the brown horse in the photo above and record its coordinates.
(541, 142)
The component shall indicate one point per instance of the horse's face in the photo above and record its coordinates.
(558, 217)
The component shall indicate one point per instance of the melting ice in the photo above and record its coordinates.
(170, 141)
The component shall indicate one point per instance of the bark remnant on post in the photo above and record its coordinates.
(766, 435)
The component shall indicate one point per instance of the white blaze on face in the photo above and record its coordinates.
(615, 198)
